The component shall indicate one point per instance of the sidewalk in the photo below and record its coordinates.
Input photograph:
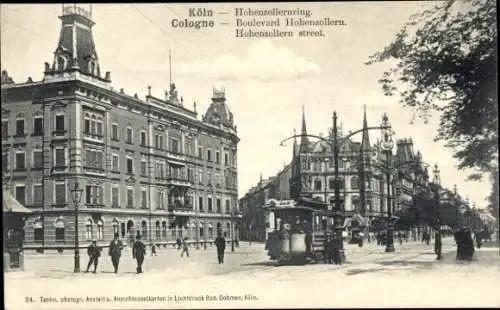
(203, 262)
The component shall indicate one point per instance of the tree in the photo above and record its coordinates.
(493, 205)
(446, 62)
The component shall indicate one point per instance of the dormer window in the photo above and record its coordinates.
(61, 63)
(92, 67)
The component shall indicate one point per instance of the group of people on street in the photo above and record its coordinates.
(139, 251)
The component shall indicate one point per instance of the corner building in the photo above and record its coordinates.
(148, 167)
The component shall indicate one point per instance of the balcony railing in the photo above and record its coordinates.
(95, 205)
(179, 205)
(178, 180)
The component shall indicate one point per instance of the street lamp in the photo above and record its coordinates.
(77, 197)
(337, 209)
(231, 232)
(386, 146)
(326, 160)
(206, 223)
(436, 184)
(457, 209)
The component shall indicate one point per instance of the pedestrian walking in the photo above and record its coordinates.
(438, 245)
(360, 240)
(468, 245)
(94, 252)
(220, 243)
(138, 252)
(334, 250)
(153, 249)
(308, 241)
(115, 251)
(179, 243)
(478, 237)
(185, 247)
(459, 241)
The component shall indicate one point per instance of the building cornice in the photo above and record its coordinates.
(113, 98)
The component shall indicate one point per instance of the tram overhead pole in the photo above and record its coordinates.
(337, 212)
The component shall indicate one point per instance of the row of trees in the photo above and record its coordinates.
(425, 212)
(446, 62)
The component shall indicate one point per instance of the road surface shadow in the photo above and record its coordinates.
(264, 263)
(424, 264)
(393, 266)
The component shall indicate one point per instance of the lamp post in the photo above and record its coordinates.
(467, 206)
(387, 145)
(436, 184)
(457, 211)
(77, 196)
(249, 234)
(326, 160)
(205, 234)
(232, 231)
(337, 210)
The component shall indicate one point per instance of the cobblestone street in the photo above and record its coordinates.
(411, 275)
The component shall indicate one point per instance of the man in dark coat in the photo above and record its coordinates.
(220, 243)
(185, 247)
(331, 249)
(478, 236)
(468, 245)
(438, 245)
(459, 241)
(138, 252)
(308, 241)
(94, 252)
(115, 251)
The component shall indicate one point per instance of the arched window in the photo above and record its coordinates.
(60, 63)
(115, 224)
(100, 230)
(317, 185)
(173, 229)
(210, 230)
(354, 183)
(130, 226)
(144, 229)
(92, 67)
(123, 229)
(60, 235)
(38, 231)
(164, 230)
(355, 203)
(158, 230)
(201, 230)
(331, 183)
(88, 229)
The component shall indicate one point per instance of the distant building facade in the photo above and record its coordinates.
(254, 221)
(362, 167)
(148, 167)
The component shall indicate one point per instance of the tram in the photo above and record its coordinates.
(292, 226)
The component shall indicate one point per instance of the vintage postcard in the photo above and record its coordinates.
(250, 155)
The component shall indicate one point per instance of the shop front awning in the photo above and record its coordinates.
(11, 205)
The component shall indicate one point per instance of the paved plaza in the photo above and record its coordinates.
(370, 277)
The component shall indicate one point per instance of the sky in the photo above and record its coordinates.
(267, 80)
